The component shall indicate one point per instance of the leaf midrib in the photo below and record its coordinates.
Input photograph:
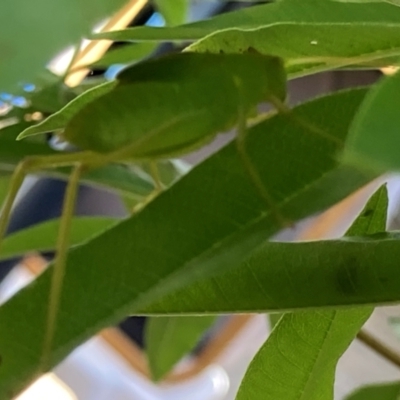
(304, 395)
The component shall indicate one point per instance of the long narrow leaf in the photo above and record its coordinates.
(374, 140)
(304, 347)
(312, 47)
(168, 339)
(42, 237)
(174, 11)
(288, 11)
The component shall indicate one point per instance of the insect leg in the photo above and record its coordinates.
(16, 181)
(158, 187)
(31, 164)
(283, 109)
(253, 173)
(60, 263)
(155, 174)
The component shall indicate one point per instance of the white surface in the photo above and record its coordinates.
(95, 372)
(48, 387)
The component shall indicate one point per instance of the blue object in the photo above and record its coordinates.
(156, 20)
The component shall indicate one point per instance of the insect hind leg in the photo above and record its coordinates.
(18, 177)
(254, 175)
(60, 264)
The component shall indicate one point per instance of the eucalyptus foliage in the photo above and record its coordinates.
(196, 243)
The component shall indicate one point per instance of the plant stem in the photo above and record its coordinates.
(379, 347)
(32, 164)
(60, 263)
(155, 174)
(15, 184)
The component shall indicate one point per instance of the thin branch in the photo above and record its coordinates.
(379, 347)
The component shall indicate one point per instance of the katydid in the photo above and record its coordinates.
(156, 109)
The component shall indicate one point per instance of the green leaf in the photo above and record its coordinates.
(162, 107)
(313, 340)
(384, 391)
(168, 339)
(298, 360)
(213, 214)
(373, 217)
(394, 2)
(284, 11)
(42, 237)
(310, 48)
(45, 28)
(174, 11)
(60, 119)
(126, 54)
(374, 140)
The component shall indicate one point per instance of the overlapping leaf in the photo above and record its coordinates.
(125, 54)
(168, 339)
(60, 119)
(383, 391)
(374, 140)
(174, 11)
(304, 347)
(42, 237)
(395, 2)
(283, 11)
(312, 47)
(204, 225)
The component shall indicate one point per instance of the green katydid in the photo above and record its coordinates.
(156, 109)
